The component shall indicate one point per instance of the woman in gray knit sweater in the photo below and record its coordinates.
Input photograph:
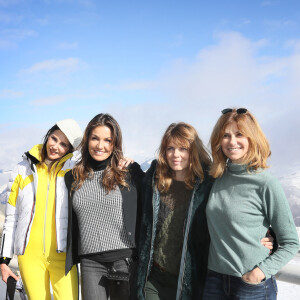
(245, 200)
(104, 213)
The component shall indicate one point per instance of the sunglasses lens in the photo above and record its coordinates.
(226, 110)
(241, 110)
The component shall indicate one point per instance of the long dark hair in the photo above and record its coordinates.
(112, 175)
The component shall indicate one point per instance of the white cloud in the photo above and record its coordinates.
(9, 17)
(18, 34)
(178, 41)
(231, 72)
(6, 3)
(67, 46)
(5, 18)
(87, 3)
(10, 94)
(48, 100)
(5, 44)
(293, 44)
(14, 142)
(269, 3)
(43, 21)
(65, 65)
(245, 22)
(9, 38)
(279, 24)
(130, 86)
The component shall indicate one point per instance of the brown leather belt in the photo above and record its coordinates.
(160, 268)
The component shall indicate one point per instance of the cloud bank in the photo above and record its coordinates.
(67, 65)
(232, 72)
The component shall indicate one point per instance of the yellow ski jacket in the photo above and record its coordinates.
(21, 195)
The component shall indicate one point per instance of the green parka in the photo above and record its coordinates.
(193, 265)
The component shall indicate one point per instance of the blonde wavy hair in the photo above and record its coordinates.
(112, 175)
(259, 148)
(183, 135)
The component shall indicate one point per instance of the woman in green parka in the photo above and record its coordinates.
(174, 236)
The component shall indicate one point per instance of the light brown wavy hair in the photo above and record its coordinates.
(259, 148)
(183, 135)
(112, 176)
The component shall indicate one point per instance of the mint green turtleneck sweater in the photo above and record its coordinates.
(240, 209)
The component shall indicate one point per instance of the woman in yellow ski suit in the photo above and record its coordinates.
(36, 218)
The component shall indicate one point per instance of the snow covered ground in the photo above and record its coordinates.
(288, 291)
(291, 272)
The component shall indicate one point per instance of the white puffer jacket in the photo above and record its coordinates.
(20, 204)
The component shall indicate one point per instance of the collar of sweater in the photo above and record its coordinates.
(236, 168)
(99, 165)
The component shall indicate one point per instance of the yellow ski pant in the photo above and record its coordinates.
(37, 273)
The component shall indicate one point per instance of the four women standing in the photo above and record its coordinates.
(105, 210)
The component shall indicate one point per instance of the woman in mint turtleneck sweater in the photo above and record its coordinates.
(245, 200)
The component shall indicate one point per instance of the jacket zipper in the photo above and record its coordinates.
(57, 248)
(52, 170)
(184, 247)
(152, 239)
(44, 242)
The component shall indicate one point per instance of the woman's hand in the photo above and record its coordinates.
(125, 162)
(254, 277)
(6, 272)
(267, 242)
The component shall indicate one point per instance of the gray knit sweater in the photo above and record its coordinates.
(100, 217)
(240, 209)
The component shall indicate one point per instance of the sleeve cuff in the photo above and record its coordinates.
(5, 260)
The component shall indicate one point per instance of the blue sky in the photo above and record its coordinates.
(148, 63)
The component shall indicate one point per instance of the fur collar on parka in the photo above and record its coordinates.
(194, 260)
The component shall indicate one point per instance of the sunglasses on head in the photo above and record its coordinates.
(239, 110)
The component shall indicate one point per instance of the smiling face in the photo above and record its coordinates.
(234, 145)
(178, 159)
(100, 143)
(57, 145)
